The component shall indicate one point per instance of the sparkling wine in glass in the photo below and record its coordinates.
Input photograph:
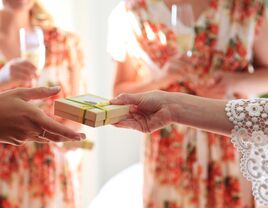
(182, 21)
(32, 47)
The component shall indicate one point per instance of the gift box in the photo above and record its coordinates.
(90, 110)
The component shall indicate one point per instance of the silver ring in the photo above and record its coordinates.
(43, 134)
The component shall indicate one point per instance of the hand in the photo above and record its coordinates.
(18, 73)
(222, 85)
(177, 69)
(21, 121)
(180, 66)
(148, 111)
(153, 110)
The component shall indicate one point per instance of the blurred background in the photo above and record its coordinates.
(115, 149)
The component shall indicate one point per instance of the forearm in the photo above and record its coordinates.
(127, 80)
(5, 86)
(203, 113)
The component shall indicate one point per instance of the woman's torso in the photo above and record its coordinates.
(224, 37)
(42, 169)
(178, 158)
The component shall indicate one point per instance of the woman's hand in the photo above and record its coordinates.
(21, 121)
(18, 73)
(148, 111)
(128, 80)
(153, 110)
(223, 85)
(179, 65)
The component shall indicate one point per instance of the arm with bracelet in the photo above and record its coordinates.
(246, 121)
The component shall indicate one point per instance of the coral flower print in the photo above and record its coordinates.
(185, 167)
(39, 175)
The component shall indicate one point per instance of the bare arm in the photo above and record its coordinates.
(203, 113)
(127, 80)
(153, 110)
(245, 120)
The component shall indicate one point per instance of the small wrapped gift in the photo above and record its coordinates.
(90, 110)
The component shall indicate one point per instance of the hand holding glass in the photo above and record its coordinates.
(33, 48)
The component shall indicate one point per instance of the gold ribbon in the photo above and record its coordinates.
(86, 106)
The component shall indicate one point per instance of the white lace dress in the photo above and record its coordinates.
(250, 137)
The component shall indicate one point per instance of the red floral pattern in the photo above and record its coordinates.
(185, 167)
(38, 175)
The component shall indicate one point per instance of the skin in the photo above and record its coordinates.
(222, 85)
(13, 16)
(21, 120)
(127, 79)
(153, 110)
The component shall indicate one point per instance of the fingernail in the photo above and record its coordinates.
(55, 89)
(113, 101)
(80, 137)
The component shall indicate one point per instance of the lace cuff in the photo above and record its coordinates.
(250, 137)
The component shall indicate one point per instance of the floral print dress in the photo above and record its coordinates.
(42, 175)
(185, 167)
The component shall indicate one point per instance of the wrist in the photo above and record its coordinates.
(188, 109)
(175, 105)
(203, 113)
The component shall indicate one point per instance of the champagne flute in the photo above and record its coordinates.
(183, 21)
(32, 48)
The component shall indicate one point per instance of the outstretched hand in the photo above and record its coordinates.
(148, 111)
(21, 121)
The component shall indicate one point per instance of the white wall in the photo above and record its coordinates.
(115, 149)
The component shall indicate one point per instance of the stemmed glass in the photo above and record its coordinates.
(32, 48)
(163, 42)
(182, 21)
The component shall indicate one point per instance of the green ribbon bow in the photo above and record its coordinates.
(87, 105)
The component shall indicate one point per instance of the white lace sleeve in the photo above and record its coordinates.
(250, 137)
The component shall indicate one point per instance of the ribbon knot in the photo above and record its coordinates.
(86, 105)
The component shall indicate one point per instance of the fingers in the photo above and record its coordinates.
(129, 124)
(26, 67)
(30, 73)
(22, 77)
(37, 93)
(178, 67)
(56, 128)
(39, 139)
(189, 59)
(17, 141)
(216, 79)
(126, 99)
(55, 137)
(23, 63)
(12, 141)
